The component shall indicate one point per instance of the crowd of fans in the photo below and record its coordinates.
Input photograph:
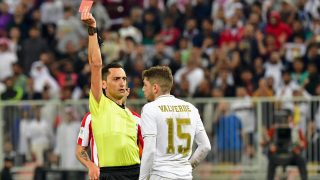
(215, 48)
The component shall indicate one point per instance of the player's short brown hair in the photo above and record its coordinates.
(160, 75)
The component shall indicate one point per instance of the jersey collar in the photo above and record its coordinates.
(120, 105)
(164, 95)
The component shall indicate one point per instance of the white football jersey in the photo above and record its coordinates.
(174, 122)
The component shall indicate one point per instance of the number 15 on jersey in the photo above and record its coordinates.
(177, 131)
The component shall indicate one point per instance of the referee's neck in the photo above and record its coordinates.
(118, 102)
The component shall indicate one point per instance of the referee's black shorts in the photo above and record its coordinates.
(120, 172)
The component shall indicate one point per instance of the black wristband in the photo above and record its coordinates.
(92, 30)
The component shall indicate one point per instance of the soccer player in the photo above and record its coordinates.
(86, 139)
(114, 130)
(169, 127)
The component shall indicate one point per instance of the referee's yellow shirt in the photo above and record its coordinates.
(115, 133)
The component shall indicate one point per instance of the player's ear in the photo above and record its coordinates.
(155, 88)
(104, 84)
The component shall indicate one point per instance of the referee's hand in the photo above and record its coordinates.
(88, 19)
(94, 172)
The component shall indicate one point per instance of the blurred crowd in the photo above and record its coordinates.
(215, 48)
(269, 47)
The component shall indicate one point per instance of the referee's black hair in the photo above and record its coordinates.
(105, 69)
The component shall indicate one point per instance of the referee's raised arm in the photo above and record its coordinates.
(94, 55)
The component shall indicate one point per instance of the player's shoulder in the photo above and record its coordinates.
(184, 102)
(135, 113)
(149, 105)
(86, 117)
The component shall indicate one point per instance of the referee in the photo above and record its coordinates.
(114, 129)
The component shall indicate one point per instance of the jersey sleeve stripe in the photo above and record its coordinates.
(84, 119)
(135, 114)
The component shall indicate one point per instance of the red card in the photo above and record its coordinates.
(85, 6)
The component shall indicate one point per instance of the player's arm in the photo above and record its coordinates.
(202, 150)
(147, 157)
(149, 133)
(203, 142)
(82, 156)
(94, 57)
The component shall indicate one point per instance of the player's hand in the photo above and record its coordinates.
(88, 19)
(94, 172)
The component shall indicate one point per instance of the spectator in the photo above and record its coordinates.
(274, 67)
(128, 30)
(202, 10)
(51, 12)
(203, 90)
(285, 91)
(5, 16)
(6, 171)
(263, 89)
(312, 55)
(67, 76)
(11, 92)
(228, 129)
(101, 15)
(243, 109)
(15, 38)
(20, 20)
(313, 78)
(151, 26)
(69, 29)
(41, 75)
(299, 75)
(232, 33)
(290, 149)
(40, 136)
(112, 51)
(67, 134)
(20, 79)
(248, 46)
(258, 71)
(191, 29)
(225, 82)
(23, 146)
(287, 12)
(31, 48)
(207, 30)
(246, 78)
(275, 27)
(295, 49)
(7, 59)
(193, 74)
(302, 14)
(136, 17)
(161, 55)
(176, 15)
(169, 33)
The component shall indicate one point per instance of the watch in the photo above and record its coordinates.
(92, 30)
